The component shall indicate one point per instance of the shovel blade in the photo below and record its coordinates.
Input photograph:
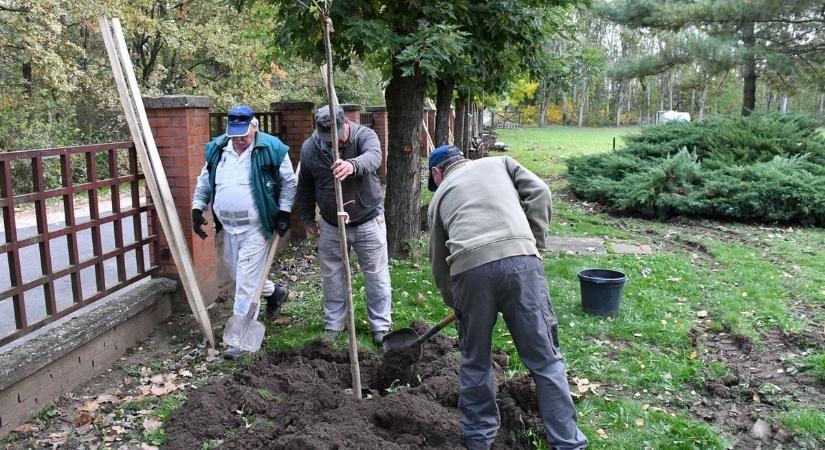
(245, 334)
(399, 339)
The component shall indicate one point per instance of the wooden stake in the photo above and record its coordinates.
(342, 215)
(430, 145)
(152, 168)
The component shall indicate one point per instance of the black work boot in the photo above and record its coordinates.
(275, 301)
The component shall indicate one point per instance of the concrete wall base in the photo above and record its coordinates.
(41, 370)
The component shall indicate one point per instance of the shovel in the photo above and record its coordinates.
(409, 338)
(244, 332)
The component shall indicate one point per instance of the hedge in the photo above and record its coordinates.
(764, 168)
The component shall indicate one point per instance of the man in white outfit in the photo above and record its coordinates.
(249, 180)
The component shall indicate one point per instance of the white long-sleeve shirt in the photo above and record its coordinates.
(234, 196)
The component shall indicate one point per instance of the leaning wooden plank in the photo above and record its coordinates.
(157, 166)
(152, 181)
(430, 145)
(169, 220)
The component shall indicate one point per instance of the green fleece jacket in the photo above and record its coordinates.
(267, 155)
(485, 210)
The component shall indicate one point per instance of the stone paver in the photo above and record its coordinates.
(576, 245)
(593, 246)
(631, 249)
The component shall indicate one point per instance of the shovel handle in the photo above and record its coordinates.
(447, 320)
(270, 256)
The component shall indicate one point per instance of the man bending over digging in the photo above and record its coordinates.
(488, 219)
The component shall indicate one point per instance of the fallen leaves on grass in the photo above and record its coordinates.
(151, 425)
(84, 418)
(112, 434)
(54, 440)
(583, 386)
(89, 406)
(25, 428)
(211, 355)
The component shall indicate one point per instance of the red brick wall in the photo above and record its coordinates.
(297, 124)
(379, 125)
(352, 112)
(180, 135)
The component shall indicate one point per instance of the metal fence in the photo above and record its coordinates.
(64, 253)
(268, 122)
(366, 119)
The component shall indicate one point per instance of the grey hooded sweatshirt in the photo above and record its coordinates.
(485, 210)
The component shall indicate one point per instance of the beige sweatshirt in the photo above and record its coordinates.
(485, 210)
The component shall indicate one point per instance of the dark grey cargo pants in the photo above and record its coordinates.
(516, 287)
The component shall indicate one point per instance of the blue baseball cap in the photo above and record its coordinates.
(238, 121)
(437, 157)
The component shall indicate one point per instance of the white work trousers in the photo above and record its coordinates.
(245, 256)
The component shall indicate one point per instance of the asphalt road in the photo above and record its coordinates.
(30, 261)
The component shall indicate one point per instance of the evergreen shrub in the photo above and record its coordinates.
(762, 168)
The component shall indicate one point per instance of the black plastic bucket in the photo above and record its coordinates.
(601, 291)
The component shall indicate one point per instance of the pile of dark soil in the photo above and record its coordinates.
(298, 400)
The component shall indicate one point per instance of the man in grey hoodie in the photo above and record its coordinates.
(359, 158)
(488, 220)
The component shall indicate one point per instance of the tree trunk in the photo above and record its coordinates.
(661, 93)
(647, 102)
(619, 107)
(629, 97)
(474, 117)
(564, 108)
(27, 76)
(670, 92)
(748, 70)
(545, 100)
(443, 106)
(460, 115)
(575, 98)
(607, 102)
(702, 103)
(693, 102)
(784, 108)
(821, 105)
(405, 109)
(768, 103)
(468, 126)
(582, 100)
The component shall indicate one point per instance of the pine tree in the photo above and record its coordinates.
(764, 38)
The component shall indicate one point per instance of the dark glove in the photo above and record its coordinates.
(282, 222)
(197, 222)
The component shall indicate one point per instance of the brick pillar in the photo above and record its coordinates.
(380, 126)
(352, 112)
(296, 125)
(180, 124)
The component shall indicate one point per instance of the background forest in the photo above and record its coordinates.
(612, 63)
